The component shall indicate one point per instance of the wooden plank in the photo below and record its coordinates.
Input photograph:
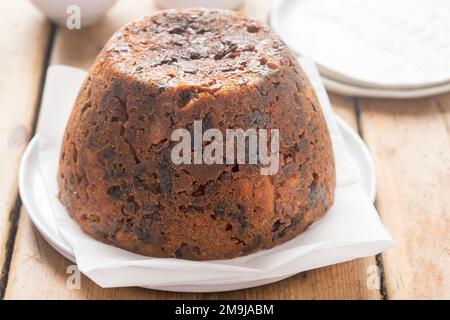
(35, 260)
(410, 141)
(24, 33)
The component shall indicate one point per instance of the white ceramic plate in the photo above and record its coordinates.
(353, 90)
(382, 44)
(34, 198)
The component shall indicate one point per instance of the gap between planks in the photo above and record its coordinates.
(410, 142)
(15, 212)
(378, 257)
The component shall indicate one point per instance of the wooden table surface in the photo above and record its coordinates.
(409, 141)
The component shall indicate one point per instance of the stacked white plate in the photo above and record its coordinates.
(377, 48)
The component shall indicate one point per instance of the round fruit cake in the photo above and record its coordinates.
(163, 72)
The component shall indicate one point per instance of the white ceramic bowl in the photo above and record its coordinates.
(90, 10)
(223, 4)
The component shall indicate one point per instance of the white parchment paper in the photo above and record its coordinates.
(351, 228)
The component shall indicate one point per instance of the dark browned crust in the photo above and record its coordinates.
(160, 73)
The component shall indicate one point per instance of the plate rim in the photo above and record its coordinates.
(352, 90)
